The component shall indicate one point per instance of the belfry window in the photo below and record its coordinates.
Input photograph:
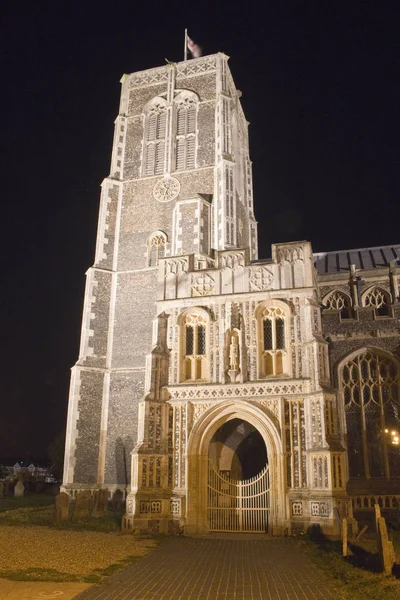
(154, 156)
(194, 343)
(379, 300)
(371, 395)
(156, 248)
(186, 112)
(340, 302)
(273, 353)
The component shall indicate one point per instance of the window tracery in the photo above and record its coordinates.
(273, 359)
(194, 347)
(156, 248)
(341, 302)
(370, 384)
(379, 300)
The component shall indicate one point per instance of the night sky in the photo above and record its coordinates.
(320, 83)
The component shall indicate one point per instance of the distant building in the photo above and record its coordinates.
(224, 392)
(11, 468)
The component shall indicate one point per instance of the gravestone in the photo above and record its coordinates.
(1, 489)
(377, 516)
(100, 503)
(62, 504)
(385, 548)
(19, 489)
(82, 505)
(117, 499)
(344, 537)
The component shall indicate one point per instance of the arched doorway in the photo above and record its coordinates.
(238, 479)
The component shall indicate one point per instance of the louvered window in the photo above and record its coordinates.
(186, 135)
(155, 141)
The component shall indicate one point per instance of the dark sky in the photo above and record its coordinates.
(320, 83)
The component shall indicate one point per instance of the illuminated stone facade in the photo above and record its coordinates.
(184, 329)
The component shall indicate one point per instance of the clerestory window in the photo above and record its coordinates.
(379, 300)
(371, 395)
(340, 302)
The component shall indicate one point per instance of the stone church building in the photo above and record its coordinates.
(220, 391)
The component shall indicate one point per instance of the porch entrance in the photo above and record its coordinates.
(238, 479)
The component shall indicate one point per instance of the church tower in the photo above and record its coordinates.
(180, 185)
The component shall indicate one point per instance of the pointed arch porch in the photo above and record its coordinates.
(197, 461)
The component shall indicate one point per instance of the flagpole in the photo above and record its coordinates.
(185, 48)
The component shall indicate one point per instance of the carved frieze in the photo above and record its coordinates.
(146, 77)
(243, 390)
(196, 67)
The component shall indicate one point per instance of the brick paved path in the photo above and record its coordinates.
(219, 569)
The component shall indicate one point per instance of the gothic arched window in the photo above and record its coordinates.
(370, 385)
(186, 116)
(340, 302)
(156, 248)
(273, 342)
(379, 300)
(194, 327)
(155, 135)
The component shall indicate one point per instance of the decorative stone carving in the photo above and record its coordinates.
(203, 285)
(175, 506)
(155, 506)
(231, 261)
(242, 390)
(176, 266)
(150, 76)
(315, 509)
(260, 279)
(290, 254)
(199, 409)
(194, 67)
(324, 509)
(129, 506)
(167, 189)
(272, 406)
(297, 508)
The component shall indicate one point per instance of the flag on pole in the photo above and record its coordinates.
(193, 48)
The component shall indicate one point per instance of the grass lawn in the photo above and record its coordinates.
(358, 576)
(33, 547)
(11, 503)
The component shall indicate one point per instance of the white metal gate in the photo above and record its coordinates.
(238, 505)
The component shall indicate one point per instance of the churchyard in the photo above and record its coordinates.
(47, 538)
